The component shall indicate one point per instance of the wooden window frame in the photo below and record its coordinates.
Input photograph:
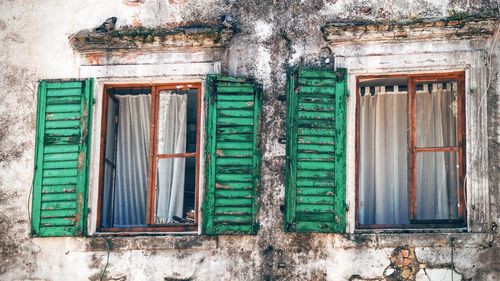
(460, 148)
(153, 156)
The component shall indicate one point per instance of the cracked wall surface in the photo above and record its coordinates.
(35, 45)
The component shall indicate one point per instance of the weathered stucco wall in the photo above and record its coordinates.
(34, 45)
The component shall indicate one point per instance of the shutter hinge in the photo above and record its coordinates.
(213, 90)
(340, 75)
(348, 93)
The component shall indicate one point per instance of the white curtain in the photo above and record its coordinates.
(170, 171)
(437, 171)
(383, 156)
(383, 163)
(132, 160)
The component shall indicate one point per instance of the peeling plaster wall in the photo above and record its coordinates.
(34, 45)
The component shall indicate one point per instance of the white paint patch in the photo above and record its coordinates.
(263, 30)
(263, 68)
(437, 274)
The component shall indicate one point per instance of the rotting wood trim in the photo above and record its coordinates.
(151, 39)
(434, 29)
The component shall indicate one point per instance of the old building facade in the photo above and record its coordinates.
(302, 154)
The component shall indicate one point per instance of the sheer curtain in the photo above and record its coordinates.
(383, 187)
(437, 171)
(383, 163)
(170, 171)
(132, 160)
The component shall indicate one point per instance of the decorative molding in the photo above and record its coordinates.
(340, 33)
(198, 69)
(151, 39)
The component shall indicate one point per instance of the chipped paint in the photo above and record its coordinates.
(273, 34)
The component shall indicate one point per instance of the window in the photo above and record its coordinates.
(410, 149)
(150, 156)
(149, 165)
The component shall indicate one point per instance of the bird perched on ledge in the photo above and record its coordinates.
(107, 26)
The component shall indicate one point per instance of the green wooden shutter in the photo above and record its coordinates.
(232, 156)
(315, 166)
(61, 158)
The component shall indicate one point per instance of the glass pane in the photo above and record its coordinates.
(177, 122)
(175, 192)
(107, 196)
(437, 185)
(383, 194)
(125, 187)
(109, 162)
(436, 114)
(111, 128)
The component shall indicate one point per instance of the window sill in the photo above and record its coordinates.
(410, 230)
(144, 233)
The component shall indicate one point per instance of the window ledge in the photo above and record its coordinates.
(410, 230)
(150, 241)
(436, 29)
(128, 234)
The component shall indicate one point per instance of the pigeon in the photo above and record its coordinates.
(229, 22)
(107, 26)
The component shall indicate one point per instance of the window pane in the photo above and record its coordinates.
(177, 124)
(109, 162)
(437, 185)
(125, 199)
(436, 114)
(107, 196)
(175, 193)
(383, 152)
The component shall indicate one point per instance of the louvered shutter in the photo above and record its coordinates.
(232, 155)
(315, 166)
(61, 158)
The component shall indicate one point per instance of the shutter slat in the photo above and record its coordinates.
(233, 185)
(235, 130)
(59, 189)
(59, 197)
(235, 113)
(61, 158)
(233, 202)
(60, 148)
(234, 152)
(233, 193)
(237, 138)
(60, 164)
(305, 190)
(232, 162)
(234, 145)
(57, 116)
(235, 104)
(317, 92)
(64, 92)
(64, 100)
(238, 97)
(238, 211)
(226, 161)
(315, 170)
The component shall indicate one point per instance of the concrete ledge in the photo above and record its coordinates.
(152, 39)
(338, 33)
